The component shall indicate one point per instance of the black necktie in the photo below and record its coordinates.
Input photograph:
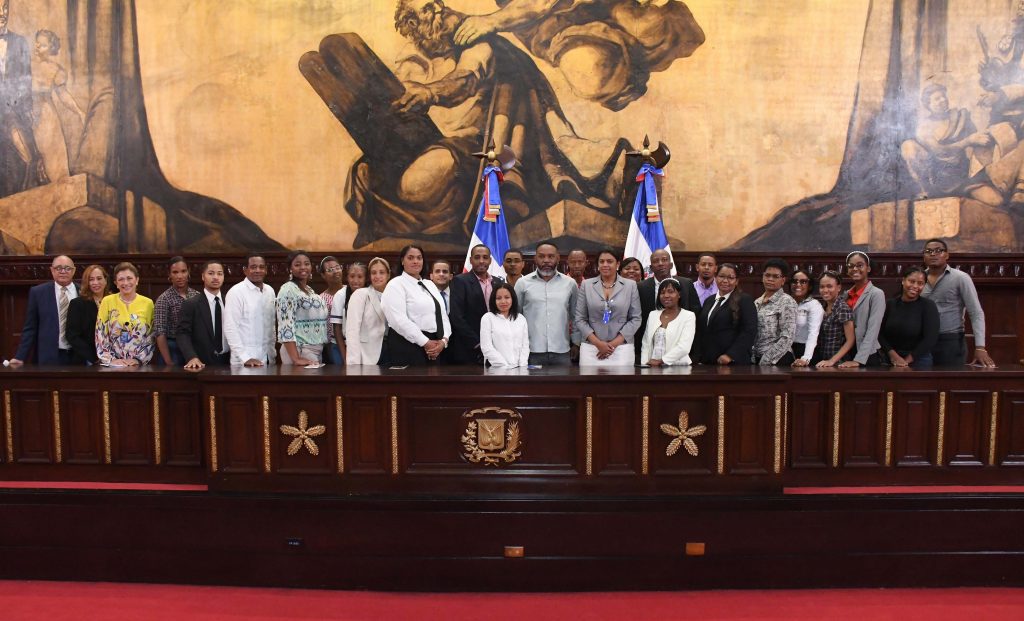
(714, 308)
(217, 335)
(439, 329)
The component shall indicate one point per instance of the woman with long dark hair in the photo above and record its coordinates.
(82, 312)
(301, 315)
(418, 327)
(504, 337)
(727, 324)
(809, 313)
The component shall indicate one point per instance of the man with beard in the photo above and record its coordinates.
(548, 299)
(21, 167)
(488, 90)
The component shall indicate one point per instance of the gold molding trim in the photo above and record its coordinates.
(942, 426)
(683, 436)
(59, 452)
(992, 426)
(888, 428)
(8, 425)
(106, 427)
(157, 449)
(266, 434)
(590, 436)
(302, 435)
(785, 427)
(836, 405)
(778, 434)
(339, 420)
(213, 433)
(645, 428)
(721, 434)
(394, 435)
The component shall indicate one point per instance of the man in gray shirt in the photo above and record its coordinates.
(953, 292)
(548, 301)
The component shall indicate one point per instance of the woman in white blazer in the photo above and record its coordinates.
(670, 331)
(504, 337)
(364, 320)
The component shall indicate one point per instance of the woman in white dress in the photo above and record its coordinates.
(670, 330)
(365, 324)
(504, 338)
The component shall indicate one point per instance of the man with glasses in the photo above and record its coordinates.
(44, 333)
(776, 318)
(953, 293)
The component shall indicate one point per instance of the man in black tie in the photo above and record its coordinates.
(661, 266)
(471, 294)
(21, 166)
(201, 329)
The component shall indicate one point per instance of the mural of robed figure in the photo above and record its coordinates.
(20, 164)
(416, 178)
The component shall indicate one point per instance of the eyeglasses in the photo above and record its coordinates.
(724, 277)
(856, 266)
(931, 251)
(772, 276)
(800, 281)
(62, 268)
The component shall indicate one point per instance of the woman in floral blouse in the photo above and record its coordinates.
(301, 315)
(124, 322)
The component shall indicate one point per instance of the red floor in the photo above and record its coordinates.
(58, 601)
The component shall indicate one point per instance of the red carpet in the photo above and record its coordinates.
(135, 487)
(907, 489)
(60, 601)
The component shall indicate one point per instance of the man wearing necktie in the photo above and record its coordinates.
(471, 293)
(441, 275)
(201, 329)
(21, 166)
(43, 337)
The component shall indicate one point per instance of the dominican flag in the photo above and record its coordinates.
(490, 229)
(646, 230)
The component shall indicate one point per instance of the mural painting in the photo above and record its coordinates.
(191, 126)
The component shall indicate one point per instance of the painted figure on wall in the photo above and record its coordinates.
(57, 119)
(460, 85)
(21, 166)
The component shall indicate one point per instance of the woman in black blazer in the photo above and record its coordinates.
(728, 336)
(81, 326)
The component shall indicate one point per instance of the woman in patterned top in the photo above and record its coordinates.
(124, 322)
(835, 337)
(301, 315)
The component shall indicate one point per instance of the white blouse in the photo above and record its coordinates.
(809, 314)
(409, 309)
(505, 343)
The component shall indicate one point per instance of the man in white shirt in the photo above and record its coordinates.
(249, 315)
(441, 275)
(548, 301)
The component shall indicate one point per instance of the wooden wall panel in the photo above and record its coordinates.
(32, 426)
(321, 432)
(616, 435)
(862, 424)
(131, 428)
(749, 427)
(810, 442)
(915, 428)
(1011, 429)
(367, 429)
(181, 433)
(240, 435)
(81, 423)
(968, 415)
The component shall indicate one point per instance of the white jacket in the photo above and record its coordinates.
(678, 338)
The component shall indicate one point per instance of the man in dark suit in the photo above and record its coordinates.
(470, 296)
(43, 337)
(661, 266)
(201, 328)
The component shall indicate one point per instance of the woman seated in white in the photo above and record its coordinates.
(670, 331)
(504, 339)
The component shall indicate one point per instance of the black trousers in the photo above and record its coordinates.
(401, 352)
(951, 349)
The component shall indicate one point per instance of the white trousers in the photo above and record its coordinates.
(623, 356)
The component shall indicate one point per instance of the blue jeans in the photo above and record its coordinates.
(333, 355)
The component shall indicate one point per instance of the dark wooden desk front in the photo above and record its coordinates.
(550, 433)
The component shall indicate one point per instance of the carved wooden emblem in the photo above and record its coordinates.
(492, 436)
(682, 435)
(303, 435)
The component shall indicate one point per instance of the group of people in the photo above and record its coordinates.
(423, 315)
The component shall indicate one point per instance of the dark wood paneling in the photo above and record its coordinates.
(81, 424)
(968, 416)
(700, 412)
(749, 434)
(320, 420)
(367, 429)
(181, 433)
(131, 428)
(1011, 429)
(862, 429)
(32, 426)
(616, 435)
(810, 432)
(915, 428)
(239, 434)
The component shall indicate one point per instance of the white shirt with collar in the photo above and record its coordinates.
(410, 310)
(725, 301)
(249, 316)
(62, 339)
